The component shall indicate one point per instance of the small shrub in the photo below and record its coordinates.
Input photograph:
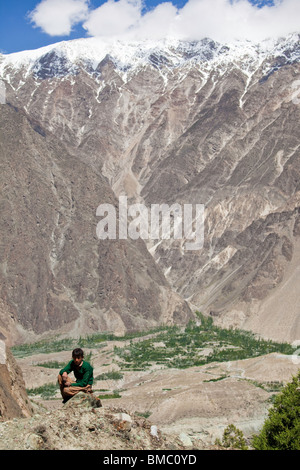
(52, 365)
(233, 438)
(110, 396)
(145, 414)
(113, 375)
(46, 392)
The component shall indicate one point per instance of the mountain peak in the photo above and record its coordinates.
(62, 56)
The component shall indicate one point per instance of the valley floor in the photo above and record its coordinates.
(195, 404)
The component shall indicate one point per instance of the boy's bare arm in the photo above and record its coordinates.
(64, 377)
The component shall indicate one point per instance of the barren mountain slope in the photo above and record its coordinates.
(56, 276)
(187, 123)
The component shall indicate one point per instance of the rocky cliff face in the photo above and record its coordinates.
(160, 123)
(56, 275)
(14, 402)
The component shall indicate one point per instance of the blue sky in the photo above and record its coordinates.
(29, 24)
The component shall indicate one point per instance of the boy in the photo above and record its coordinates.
(83, 372)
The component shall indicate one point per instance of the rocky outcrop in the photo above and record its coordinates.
(14, 402)
(80, 426)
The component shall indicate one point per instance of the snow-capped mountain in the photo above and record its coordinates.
(161, 122)
(65, 58)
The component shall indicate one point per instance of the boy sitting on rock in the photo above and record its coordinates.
(83, 372)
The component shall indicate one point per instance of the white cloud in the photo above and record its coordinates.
(124, 18)
(155, 24)
(114, 18)
(222, 20)
(57, 17)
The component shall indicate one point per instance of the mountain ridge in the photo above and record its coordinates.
(93, 50)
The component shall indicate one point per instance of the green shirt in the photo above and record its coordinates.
(84, 373)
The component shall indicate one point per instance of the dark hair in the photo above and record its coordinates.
(77, 353)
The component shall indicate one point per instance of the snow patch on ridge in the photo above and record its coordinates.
(64, 57)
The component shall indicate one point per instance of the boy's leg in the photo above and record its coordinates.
(67, 391)
(64, 389)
